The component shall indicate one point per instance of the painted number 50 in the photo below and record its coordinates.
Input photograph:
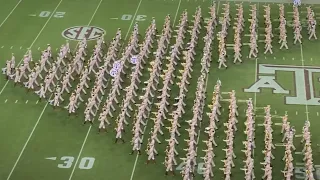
(128, 17)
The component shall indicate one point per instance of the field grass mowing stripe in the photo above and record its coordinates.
(89, 130)
(144, 129)
(26, 143)
(35, 39)
(14, 8)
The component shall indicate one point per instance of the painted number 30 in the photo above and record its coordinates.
(45, 14)
(85, 162)
(128, 17)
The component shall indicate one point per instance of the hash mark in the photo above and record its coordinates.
(292, 59)
(311, 59)
(16, 101)
(274, 58)
(283, 58)
(2, 47)
(6, 101)
(222, 109)
(317, 113)
(296, 112)
(38, 48)
(37, 102)
(11, 47)
(275, 112)
(20, 47)
(27, 101)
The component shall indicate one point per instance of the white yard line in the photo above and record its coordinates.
(302, 64)
(89, 130)
(144, 129)
(35, 39)
(256, 71)
(26, 143)
(14, 8)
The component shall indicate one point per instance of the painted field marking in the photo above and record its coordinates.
(33, 15)
(273, 116)
(317, 113)
(137, 157)
(5, 19)
(38, 48)
(114, 18)
(11, 47)
(280, 144)
(278, 124)
(275, 112)
(299, 135)
(229, 45)
(2, 47)
(35, 39)
(300, 164)
(30, 135)
(298, 152)
(225, 92)
(239, 100)
(87, 135)
(20, 47)
(27, 101)
(37, 102)
(5, 101)
(296, 112)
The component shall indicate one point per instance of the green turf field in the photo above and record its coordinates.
(40, 143)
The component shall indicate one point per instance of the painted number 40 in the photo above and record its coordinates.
(45, 14)
(85, 162)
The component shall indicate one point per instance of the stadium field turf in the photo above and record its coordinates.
(38, 142)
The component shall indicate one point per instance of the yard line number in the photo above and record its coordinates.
(300, 172)
(128, 17)
(45, 14)
(85, 162)
(199, 170)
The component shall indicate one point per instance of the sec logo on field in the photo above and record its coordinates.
(78, 33)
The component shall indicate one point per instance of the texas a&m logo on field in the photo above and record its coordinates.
(78, 33)
(302, 78)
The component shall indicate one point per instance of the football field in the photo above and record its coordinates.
(38, 142)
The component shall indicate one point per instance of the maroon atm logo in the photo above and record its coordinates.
(78, 33)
